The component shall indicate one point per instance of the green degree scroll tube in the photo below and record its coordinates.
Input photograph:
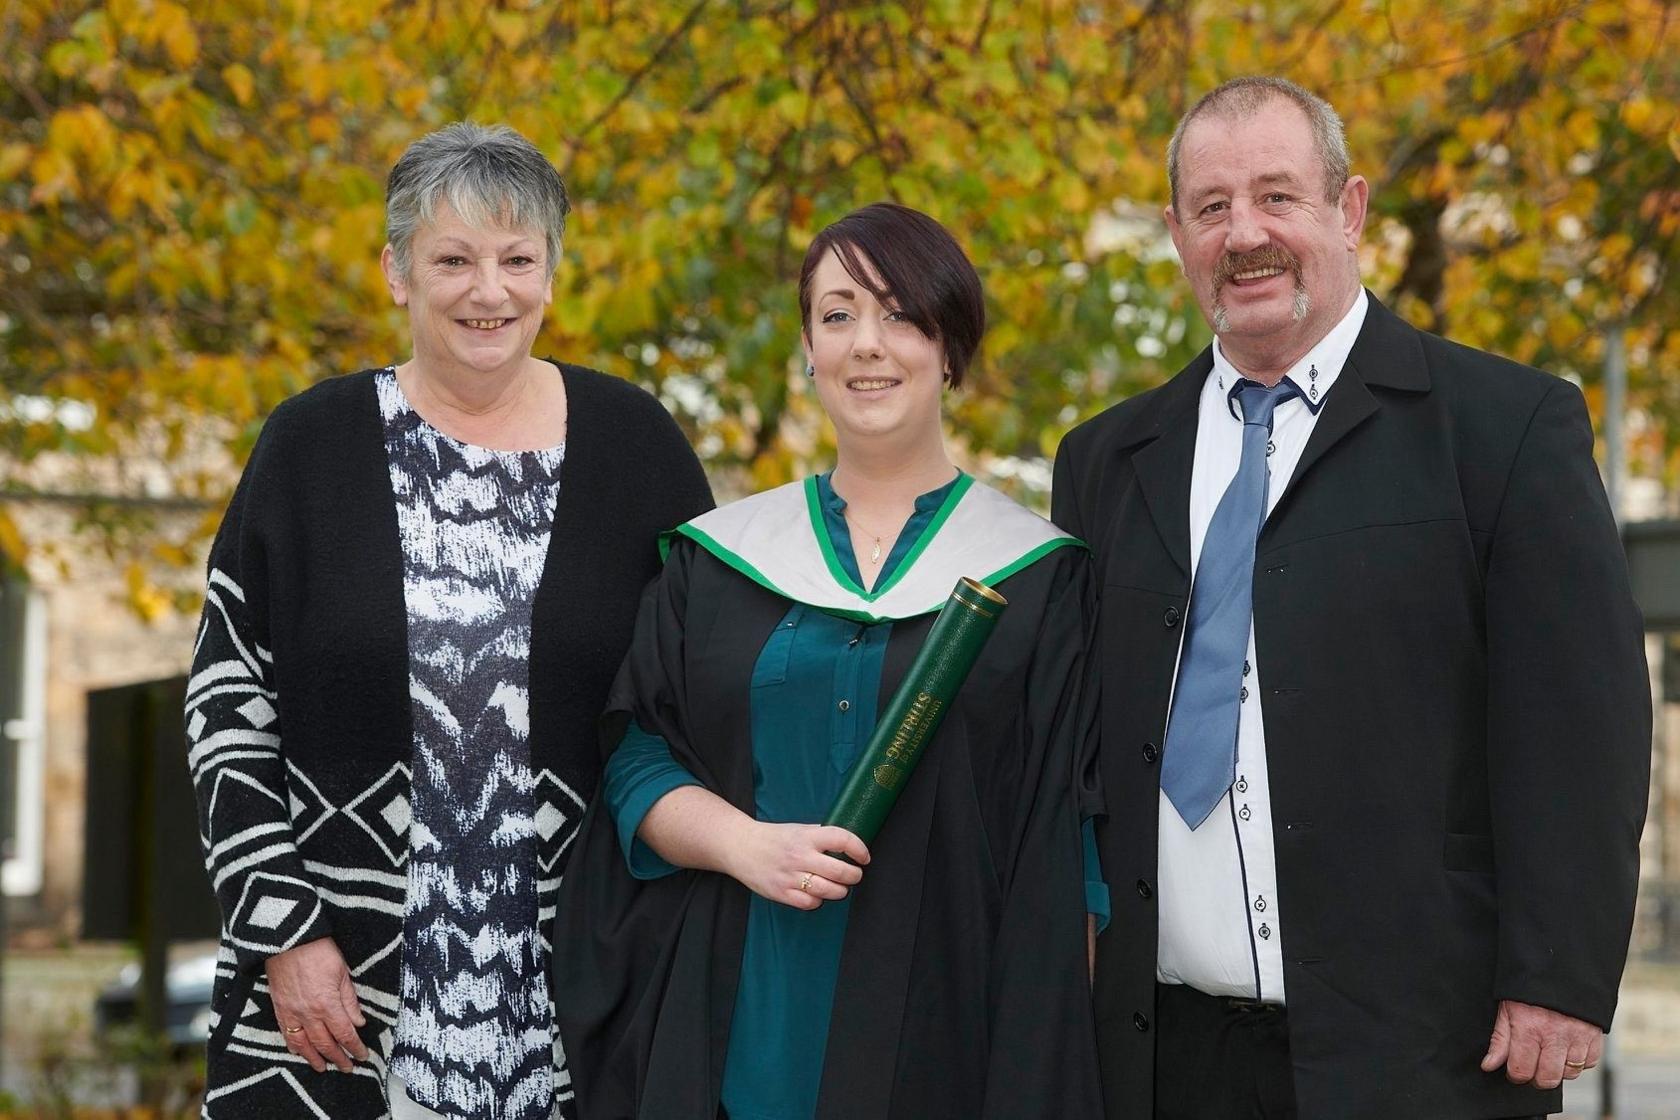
(913, 714)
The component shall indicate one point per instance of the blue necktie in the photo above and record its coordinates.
(1200, 760)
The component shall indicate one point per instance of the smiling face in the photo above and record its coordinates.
(1273, 264)
(877, 374)
(475, 296)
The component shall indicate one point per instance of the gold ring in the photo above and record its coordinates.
(1575, 1065)
(291, 1030)
(805, 881)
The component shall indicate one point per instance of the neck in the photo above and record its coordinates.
(892, 478)
(1268, 361)
(467, 395)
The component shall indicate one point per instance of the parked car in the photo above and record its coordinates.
(187, 990)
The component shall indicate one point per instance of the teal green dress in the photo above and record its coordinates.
(791, 958)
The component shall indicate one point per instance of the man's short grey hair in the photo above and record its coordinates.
(1240, 98)
(490, 176)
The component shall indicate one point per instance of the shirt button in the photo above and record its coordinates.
(1244, 813)
(845, 705)
(1265, 932)
(1170, 617)
(1245, 692)
(1140, 1021)
(1144, 889)
(1150, 753)
(1260, 904)
(1246, 668)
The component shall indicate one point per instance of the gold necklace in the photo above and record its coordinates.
(875, 553)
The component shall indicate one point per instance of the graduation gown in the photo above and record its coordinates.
(962, 986)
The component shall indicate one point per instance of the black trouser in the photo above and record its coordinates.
(1220, 1059)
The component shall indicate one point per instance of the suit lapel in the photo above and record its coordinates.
(1387, 354)
(1163, 468)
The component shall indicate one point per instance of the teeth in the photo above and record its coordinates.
(883, 383)
(485, 324)
(1257, 273)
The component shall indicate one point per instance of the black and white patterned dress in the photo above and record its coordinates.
(474, 1037)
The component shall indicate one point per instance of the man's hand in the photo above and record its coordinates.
(316, 1005)
(1542, 1046)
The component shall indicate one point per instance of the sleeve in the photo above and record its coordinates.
(1045, 1062)
(680, 488)
(1065, 513)
(638, 774)
(1569, 723)
(1064, 503)
(236, 748)
(1096, 890)
(620, 952)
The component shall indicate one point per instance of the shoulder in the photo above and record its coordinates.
(1108, 425)
(1482, 380)
(325, 407)
(589, 392)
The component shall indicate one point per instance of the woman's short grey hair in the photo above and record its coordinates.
(490, 176)
(1240, 98)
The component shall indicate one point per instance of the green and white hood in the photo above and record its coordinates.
(778, 540)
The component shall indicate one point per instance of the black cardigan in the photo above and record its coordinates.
(303, 806)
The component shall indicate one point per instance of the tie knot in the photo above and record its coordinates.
(1258, 401)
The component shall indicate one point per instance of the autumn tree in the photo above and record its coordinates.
(191, 197)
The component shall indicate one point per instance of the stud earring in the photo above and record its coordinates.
(810, 370)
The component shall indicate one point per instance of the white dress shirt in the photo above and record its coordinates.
(1218, 905)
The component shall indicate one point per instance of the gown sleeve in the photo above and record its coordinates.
(1044, 1062)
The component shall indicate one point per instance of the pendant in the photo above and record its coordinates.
(875, 556)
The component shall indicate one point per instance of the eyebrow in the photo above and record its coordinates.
(843, 293)
(450, 241)
(1271, 178)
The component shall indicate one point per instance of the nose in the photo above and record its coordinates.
(1243, 233)
(488, 287)
(866, 339)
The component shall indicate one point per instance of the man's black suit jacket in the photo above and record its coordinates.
(1457, 718)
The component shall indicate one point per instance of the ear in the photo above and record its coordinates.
(394, 279)
(1174, 229)
(805, 345)
(1356, 197)
(548, 292)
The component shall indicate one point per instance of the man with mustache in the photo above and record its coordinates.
(1375, 721)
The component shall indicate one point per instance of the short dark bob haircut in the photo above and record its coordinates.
(923, 272)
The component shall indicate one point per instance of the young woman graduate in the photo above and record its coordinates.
(718, 961)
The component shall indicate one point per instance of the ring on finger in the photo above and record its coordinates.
(1575, 1065)
(805, 881)
(291, 1030)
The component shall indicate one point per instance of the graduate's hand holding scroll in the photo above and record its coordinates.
(786, 863)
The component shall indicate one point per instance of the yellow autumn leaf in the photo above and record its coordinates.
(239, 81)
(174, 29)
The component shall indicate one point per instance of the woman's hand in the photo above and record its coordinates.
(316, 1005)
(787, 863)
(790, 864)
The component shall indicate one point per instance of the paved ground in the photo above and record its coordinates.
(48, 999)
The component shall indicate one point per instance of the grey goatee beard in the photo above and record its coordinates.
(1303, 304)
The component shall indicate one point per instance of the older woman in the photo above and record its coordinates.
(717, 958)
(415, 602)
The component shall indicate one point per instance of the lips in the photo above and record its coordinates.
(1257, 267)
